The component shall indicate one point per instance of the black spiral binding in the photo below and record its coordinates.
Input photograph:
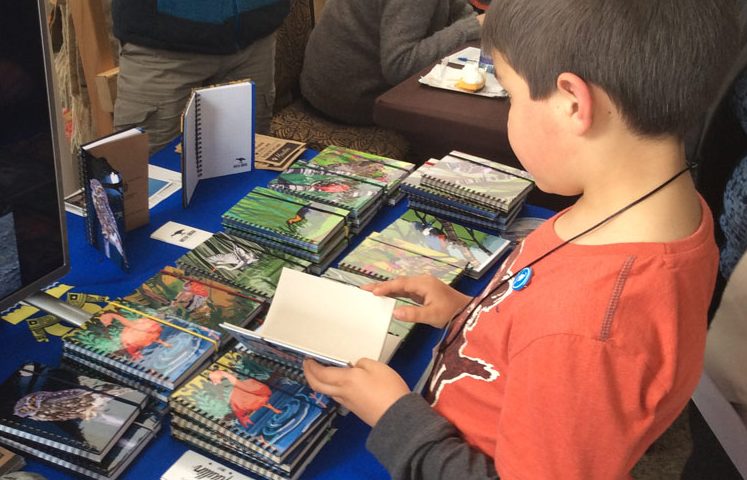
(198, 136)
(87, 204)
(184, 434)
(71, 359)
(343, 265)
(466, 192)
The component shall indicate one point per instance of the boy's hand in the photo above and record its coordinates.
(368, 389)
(439, 301)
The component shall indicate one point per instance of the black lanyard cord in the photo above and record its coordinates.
(450, 338)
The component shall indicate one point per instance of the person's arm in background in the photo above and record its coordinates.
(407, 45)
(462, 9)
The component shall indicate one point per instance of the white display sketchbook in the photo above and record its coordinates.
(217, 133)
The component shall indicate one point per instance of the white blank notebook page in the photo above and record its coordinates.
(328, 317)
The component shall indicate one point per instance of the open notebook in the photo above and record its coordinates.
(315, 317)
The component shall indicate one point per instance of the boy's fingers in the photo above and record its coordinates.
(323, 379)
(408, 313)
(402, 287)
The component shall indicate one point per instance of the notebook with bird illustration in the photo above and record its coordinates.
(268, 213)
(416, 231)
(367, 167)
(382, 261)
(161, 349)
(479, 180)
(240, 263)
(303, 180)
(197, 299)
(144, 429)
(259, 404)
(67, 411)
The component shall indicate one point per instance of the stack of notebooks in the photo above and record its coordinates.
(240, 263)
(367, 167)
(198, 299)
(361, 198)
(417, 231)
(149, 350)
(469, 190)
(92, 427)
(306, 229)
(378, 259)
(255, 412)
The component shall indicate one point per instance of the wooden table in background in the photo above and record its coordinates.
(436, 121)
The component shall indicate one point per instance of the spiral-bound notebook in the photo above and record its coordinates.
(302, 180)
(67, 411)
(217, 134)
(367, 167)
(240, 263)
(415, 230)
(382, 261)
(479, 180)
(446, 213)
(135, 341)
(128, 447)
(415, 189)
(215, 444)
(259, 404)
(197, 299)
(320, 261)
(297, 221)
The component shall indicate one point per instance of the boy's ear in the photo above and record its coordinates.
(576, 101)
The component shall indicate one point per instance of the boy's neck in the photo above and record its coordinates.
(621, 174)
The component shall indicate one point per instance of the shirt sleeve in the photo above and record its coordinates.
(412, 442)
(407, 45)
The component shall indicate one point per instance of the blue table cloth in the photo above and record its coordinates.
(345, 456)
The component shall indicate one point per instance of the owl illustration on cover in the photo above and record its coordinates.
(69, 404)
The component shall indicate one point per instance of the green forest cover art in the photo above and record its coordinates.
(382, 261)
(452, 239)
(325, 187)
(363, 166)
(297, 219)
(241, 263)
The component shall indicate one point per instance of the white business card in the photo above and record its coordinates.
(180, 234)
(193, 466)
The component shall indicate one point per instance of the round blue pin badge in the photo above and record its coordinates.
(522, 279)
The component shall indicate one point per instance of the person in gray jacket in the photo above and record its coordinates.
(361, 48)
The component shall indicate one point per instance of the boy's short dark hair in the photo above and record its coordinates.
(660, 61)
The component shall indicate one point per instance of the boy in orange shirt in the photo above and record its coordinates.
(589, 341)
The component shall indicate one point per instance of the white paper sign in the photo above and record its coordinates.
(180, 234)
(193, 466)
